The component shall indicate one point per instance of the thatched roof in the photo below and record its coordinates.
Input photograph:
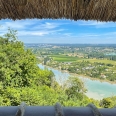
(102, 10)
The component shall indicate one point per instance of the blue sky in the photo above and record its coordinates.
(61, 31)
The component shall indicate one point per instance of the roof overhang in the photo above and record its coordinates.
(101, 10)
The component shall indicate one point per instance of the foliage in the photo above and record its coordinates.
(75, 88)
(106, 103)
(109, 102)
(22, 80)
(18, 66)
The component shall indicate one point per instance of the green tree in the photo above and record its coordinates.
(106, 103)
(18, 67)
(75, 88)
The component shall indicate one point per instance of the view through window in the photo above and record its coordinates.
(48, 61)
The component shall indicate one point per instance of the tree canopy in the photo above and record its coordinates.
(18, 66)
(22, 80)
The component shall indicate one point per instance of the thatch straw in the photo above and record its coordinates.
(101, 10)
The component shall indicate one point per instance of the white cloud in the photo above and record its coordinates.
(19, 24)
(68, 34)
(91, 23)
(38, 33)
(97, 24)
(47, 25)
(50, 25)
(29, 27)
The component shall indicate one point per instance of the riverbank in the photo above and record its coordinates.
(95, 88)
(73, 74)
(94, 79)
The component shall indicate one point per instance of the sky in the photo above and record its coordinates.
(61, 31)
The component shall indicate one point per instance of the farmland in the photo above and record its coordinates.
(63, 58)
(94, 61)
(105, 61)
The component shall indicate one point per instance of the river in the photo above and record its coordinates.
(96, 89)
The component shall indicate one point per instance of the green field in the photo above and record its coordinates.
(100, 61)
(63, 58)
